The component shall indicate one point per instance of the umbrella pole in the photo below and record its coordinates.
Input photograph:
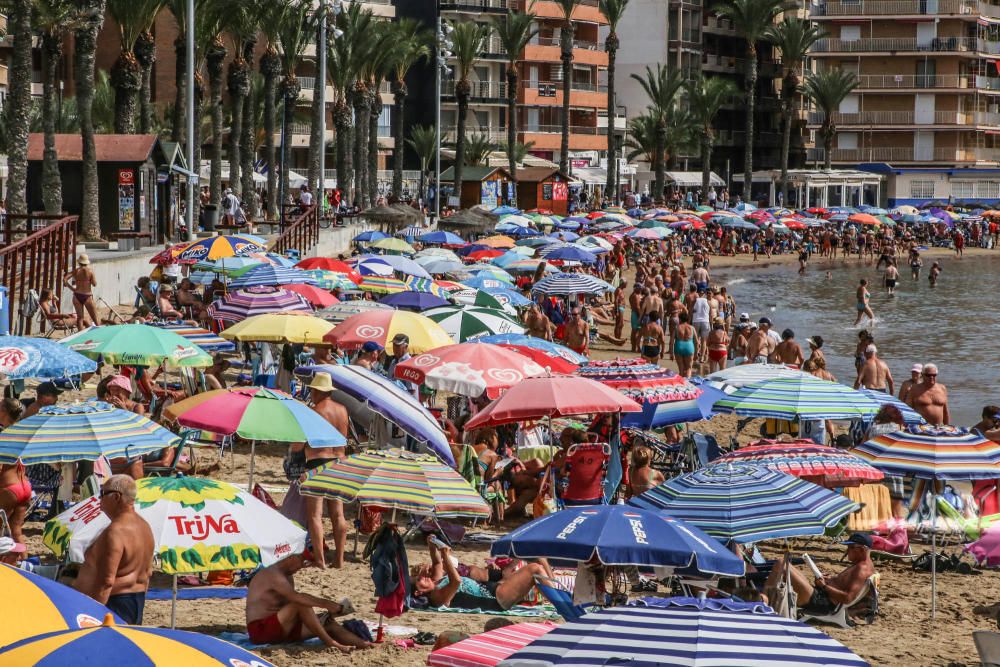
(253, 449)
(173, 605)
(933, 554)
(552, 455)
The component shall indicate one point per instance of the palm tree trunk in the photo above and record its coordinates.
(179, 131)
(374, 113)
(512, 125)
(462, 92)
(290, 89)
(611, 186)
(215, 58)
(145, 53)
(829, 132)
(238, 85)
(51, 180)
(85, 48)
(342, 121)
(566, 55)
(751, 105)
(248, 155)
(317, 142)
(196, 140)
(270, 66)
(660, 174)
(706, 161)
(787, 101)
(360, 143)
(19, 106)
(399, 100)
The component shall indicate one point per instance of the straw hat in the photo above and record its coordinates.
(321, 382)
(83, 260)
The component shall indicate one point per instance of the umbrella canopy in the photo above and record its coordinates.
(397, 263)
(438, 265)
(330, 280)
(570, 283)
(81, 432)
(382, 326)
(394, 245)
(381, 285)
(619, 535)
(267, 274)
(747, 503)
(397, 480)
(373, 265)
(387, 399)
(477, 297)
(932, 452)
(415, 284)
(291, 327)
(487, 282)
(415, 301)
(218, 247)
(110, 644)
(43, 605)
(203, 338)
(370, 236)
(552, 396)
(137, 345)
(826, 466)
(910, 416)
(572, 254)
(524, 340)
(22, 357)
(469, 369)
(255, 413)
(744, 374)
(497, 241)
(435, 253)
(685, 631)
(798, 398)
(339, 312)
(240, 304)
(463, 322)
(327, 264)
(441, 238)
(316, 296)
(488, 648)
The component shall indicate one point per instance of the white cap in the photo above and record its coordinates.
(871, 349)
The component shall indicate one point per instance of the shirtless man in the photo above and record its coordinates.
(929, 398)
(823, 596)
(874, 373)
(635, 306)
(891, 277)
(618, 301)
(700, 277)
(369, 354)
(652, 303)
(758, 346)
(537, 324)
(82, 283)
(788, 350)
(277, 613)
(908, 385)
(863, 298)
(321, 388)
(577, 334)
(117, 566)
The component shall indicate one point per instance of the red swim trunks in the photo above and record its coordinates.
(268, 630)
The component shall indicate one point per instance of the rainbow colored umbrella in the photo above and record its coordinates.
(397, 480)
(415, 284)
(203, 338)
(819, 464)
(137, 345)
(218, 247)
(805, 397)
(331, 280)
(240, 304)
(43, 605)
(381, 285)
(81, 432)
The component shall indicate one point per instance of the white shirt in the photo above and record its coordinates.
(232, 204)
(701, 310)
(306, 198)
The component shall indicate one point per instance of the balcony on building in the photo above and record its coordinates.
(903, 119)
(944, 44)
(902, 8)
(586, 10)
(903, 154)
(482, 92)
(476, 6)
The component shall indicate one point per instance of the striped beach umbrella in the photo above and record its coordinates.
(339, 312)
(525, 340)
(826, 466)
(744, 374)
(488, 648)
(530, 266)
(477, 297)
(267, 274)
(798, 398)
(685, 631)
(240, 304)
(382, 326)
(558, 284)
(933, 452)
(22, 357)
(381, 285)
(291, 327)
(466, 322)
(371, 265)
(43, 605)
(399, 264)
(137, 345)
(468, 369)
(747, 503)
(203, 338)
(81, 432)
(397, 480)
(218, 247)
(417, 284)
(331, 280)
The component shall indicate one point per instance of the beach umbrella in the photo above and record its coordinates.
(497, 241)
(382, 326)
(515, 219)
(530, 266)
(240, 304)
(396, 480)
(291, 327)
(570, 283)
(411, 232)
(572, 254)
(22, 357)
(551, 362)
(328, 264)
(488, 283)
(218, 247)
(435, 253)
(427, 285)
(910, 416)
(468, 369)
(619, 535)
(488, 254)
(735, 377)
(398, 264)
(863, 219)
(747, 503)
(490, 271)
(597, 241)
(476, 297)
(81, 432)
(110, 645)
(381, 285)
(684, 631)
(316, 296)
(233, 266)
(819, 464)
(524, 340)
(652, 223)
(330, 280)
(415, 301)
(42, 606)
(508, 257)
(137, 345)
(550, 397)
(339, 312)
(438, 266)
(488, 648)
(203, 338)
(387, 399)
(267, 274)
(394, 245)
(370, 236)
(536, 242)
(441, 238)
(464, 322)
(449, 286)
(798, 398)
(372, 265)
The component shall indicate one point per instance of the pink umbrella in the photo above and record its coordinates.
(489, 648)
(320, 298)
(469, 369)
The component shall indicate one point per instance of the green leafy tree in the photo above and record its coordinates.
(826, 90)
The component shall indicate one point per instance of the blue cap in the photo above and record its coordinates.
(371, 346)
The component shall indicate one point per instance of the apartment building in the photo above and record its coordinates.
(926, 111)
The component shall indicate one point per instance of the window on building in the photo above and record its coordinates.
(922, 189)
(963, 189)
(988, 189)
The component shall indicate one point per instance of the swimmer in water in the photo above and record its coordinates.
(933, 275)
(863, 303)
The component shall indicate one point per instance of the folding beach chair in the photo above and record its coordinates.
(988, 647)
(839, 616)
(45, 481)
(559, 598)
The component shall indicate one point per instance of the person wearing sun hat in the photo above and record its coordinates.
(11, 552)
(816, 348)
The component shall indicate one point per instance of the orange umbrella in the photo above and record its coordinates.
(498, 241)
(864, 219)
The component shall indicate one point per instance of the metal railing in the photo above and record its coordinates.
(717, 23)
(494, 134)
(550, 88)
(894, 7)
(987, 83)
(906, 154)
(480, 89)
(557, 129)
(577, 43)
(909, 118)
(898, 44)
(987, 9)
(472, 4)
(301, 233)
(38, 261)
(917, 81)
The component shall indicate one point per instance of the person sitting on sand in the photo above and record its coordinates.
(277, 613)
(824, 595)
(48, 303)
(642, 476)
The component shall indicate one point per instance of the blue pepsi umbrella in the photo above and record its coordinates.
(441, 238)
(619, 535)
(524, 340)
(415, 301)
(268, 274)
(22, 357)
(370, 236)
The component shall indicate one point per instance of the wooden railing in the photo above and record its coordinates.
(301, 234)
(38, 261)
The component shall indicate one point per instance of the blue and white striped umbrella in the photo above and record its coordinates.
(397, 262)
(411, 232)
(747, 503)
(685, 631)
(267, 274)
(369, 265)
(570, 283)
(800, 398)
(910, 416)
(22, 357)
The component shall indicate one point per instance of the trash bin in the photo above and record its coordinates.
(211, 217)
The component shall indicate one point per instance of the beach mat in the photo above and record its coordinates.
(197, 593)
(536, 611)
(242, 639)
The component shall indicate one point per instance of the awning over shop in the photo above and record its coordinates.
(692, 179)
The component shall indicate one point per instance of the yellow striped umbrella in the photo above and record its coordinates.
(381, 285)
(290, 327)
(397, 480)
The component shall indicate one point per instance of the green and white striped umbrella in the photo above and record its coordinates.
(804, 397)
(463, 323)
(481, 299)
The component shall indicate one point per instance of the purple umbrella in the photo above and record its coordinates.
(415, 301)
(238, 305)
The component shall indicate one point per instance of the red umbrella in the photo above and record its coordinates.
(469, 369)
(327, 264)
(792, 223)
(593, 215)
(489, 648)
(552, 362)
(552, 396)
(540, 211)
(864, 219)
(480, 255)
(816, 210)
(826, 466)
(314, 295)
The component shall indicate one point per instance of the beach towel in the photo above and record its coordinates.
(242, 639)
(537, 611)
(198, 593)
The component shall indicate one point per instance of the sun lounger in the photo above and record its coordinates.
(560, 598)
(839, 616)
(988, 647)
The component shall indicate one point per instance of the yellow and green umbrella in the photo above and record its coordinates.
(394, 245)
(381, 285)
(290, 327)
(137, 345)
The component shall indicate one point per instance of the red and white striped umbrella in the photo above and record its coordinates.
(469, 369)
(489, 648)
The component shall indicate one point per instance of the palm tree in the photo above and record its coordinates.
(642, 140)
(134, 18)
(215, 58)
(411, 45)
(468, 41)
(518, 151)
(85, 48)
(19, 104)
(294, 32)
(514, 32)
(241, 23)
(478, 148)
(145, 54)
(705, 96)
(793, 37)
(566, 33)
(661, 87)
(753, 20)
(270, 69)
(681, 136)
(827, 89)
(347, 54)
(613, 11)
(379, 68)
(424, 142)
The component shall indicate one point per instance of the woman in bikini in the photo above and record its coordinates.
(15, 489)
(651, 339)
(48, 303)
(684, 345)
(82, 282)
(642, 476)
(718, 346)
